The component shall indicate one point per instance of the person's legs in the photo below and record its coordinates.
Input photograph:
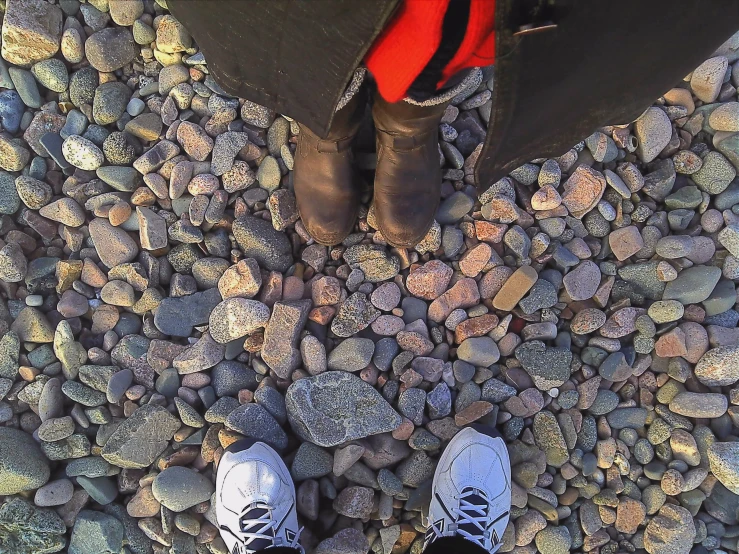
(453, 545)
(408, 175)
(325, 182)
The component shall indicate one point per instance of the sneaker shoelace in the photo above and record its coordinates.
(473, 516)
(472, 521)
(259, 528)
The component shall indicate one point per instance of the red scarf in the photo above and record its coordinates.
(408, 43)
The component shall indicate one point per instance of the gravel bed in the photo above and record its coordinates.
(161, 299)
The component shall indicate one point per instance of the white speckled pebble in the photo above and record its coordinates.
(82, 153)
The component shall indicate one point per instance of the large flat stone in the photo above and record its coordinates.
(255, 422)
(693, 284)
(336, 407)
(280, 348)
(32, 31)
(177, 316)
(140, 439)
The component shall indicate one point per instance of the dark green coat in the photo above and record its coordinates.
(603, 62)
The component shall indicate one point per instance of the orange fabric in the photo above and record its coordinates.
(409, 42)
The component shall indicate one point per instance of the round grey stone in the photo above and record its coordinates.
(23, 466)
(479, 351)
(272, 401)
(96, 532)
(352, 354)
(110, 102)
(335, 407)
(11, 110)
(553, 540)
(179, 488)
(229, 377)
(454, 208)
(82, 86)
(311, 462)
(52, 74)
(110, 49)
(259, 240)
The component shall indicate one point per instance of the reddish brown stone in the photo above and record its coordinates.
(162, 353)
(475, 259)
(621, 323)
(47, 229)
(208, 532)
(546, 198)
(696, 341)
(271, 289)
(475, 327)
(493, 280)
(182, 457)
(526, 404)
(404, 431)
(587, 320)
(490, 232)
(430, 280)
(194, 140)
(625, 242)
(583, 190)
(104, 319)
(414, 342)
(473, 412)
(405, 540)
(326, 291)
(695, 313)
(410, 379)
(43, 122)
(143, 504)
(254, 342)
(322, 315)
(463, 294)
(588, 390)
(671, 344)
(508, 343)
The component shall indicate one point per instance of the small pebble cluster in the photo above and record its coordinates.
(161, 300)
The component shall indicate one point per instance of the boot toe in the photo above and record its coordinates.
(325, 231)
(402, 230)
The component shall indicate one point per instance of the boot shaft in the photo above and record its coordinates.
(406, 119)
(346, 121)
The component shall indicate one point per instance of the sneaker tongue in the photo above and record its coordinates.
(474, 496)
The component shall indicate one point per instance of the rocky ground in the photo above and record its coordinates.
(161, 299)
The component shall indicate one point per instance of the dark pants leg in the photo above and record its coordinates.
(454, 545)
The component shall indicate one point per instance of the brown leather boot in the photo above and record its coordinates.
(325, 182)
(408, 176)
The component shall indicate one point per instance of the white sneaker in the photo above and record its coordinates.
(255, 499)
(471, 491)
